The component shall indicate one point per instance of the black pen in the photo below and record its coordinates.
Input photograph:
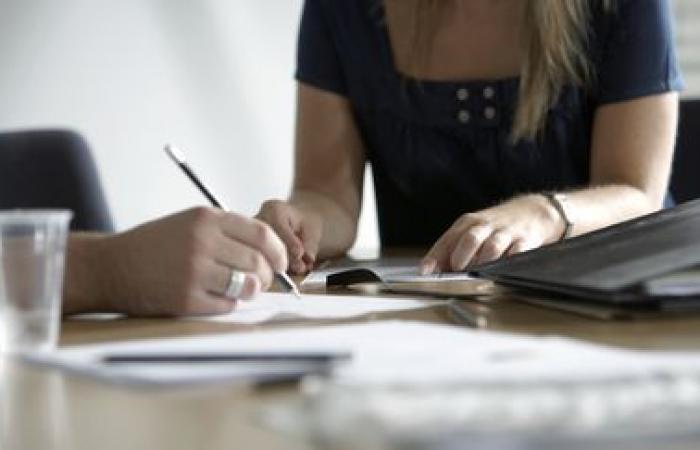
(177, 157)
(186, 358)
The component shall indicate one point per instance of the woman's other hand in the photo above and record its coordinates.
(300, 231)
(518, 225)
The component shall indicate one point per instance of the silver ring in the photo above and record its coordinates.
(235, 284)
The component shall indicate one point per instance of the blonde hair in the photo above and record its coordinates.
(556, 38)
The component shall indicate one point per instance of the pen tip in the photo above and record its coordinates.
(289, 284)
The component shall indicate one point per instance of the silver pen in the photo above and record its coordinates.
(177, 157)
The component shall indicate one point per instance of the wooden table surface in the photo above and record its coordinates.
(49, 410)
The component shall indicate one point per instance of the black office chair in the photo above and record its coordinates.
(685, 179)
(52, 169)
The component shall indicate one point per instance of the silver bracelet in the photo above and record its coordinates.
(559, 201)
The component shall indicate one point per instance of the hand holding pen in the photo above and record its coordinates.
(299, 230)
(237, 279)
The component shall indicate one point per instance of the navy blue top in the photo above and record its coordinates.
(441, 149)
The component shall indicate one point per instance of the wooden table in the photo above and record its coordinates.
(49, 410)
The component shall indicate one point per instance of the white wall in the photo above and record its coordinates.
(212, 76)
(688, 38)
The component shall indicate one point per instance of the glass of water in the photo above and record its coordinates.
(32, 255)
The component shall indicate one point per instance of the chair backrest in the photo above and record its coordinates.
(52, 169)
(685, 179)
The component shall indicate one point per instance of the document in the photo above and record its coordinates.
(389, 270)
(386, 353)
(277, 307)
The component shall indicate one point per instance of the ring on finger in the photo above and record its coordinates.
(235, 285)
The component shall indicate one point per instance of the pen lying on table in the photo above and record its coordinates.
(176, 156)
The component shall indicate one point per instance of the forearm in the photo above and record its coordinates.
(631, 153)
(339, 223)
(529, 221)
(598, 207)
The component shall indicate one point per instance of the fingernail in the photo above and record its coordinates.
(251, 287)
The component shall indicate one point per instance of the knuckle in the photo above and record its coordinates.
(202, 214)
(500, 240)
(262, 234)
(473, 219)
(472, 238)
(200, 223)
(463, 220)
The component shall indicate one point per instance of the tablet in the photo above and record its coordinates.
(651, 259)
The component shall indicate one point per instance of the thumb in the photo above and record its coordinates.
(310, 235)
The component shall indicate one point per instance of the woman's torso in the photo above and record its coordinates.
(439, 149)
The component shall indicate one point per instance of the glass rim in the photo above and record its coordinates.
(25, 215)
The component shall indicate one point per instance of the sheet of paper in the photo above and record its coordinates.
(276, 307)
(393, 353)
(390, 270)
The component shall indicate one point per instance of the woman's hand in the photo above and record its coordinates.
(516, 226)
(178, 265)
(299, 230)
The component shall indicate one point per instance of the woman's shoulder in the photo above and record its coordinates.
(625, 21)
(347, 21)
(347, 9)
(633, 50)
(342, 46)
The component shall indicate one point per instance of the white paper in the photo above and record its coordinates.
(275, 307)
(389, 270)
(394, 353)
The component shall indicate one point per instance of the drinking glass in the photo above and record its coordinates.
(32, 255)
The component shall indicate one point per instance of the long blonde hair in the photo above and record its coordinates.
(556, 38)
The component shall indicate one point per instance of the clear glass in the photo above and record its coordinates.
(32, 257)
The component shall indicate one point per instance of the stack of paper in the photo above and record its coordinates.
(391, 353)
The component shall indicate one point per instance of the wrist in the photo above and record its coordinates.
(559, 204)
(337, 223)
(312, 203)
(86, 268)
(554, 226)
(115, 286)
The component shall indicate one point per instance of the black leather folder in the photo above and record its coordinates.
(649, 262)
